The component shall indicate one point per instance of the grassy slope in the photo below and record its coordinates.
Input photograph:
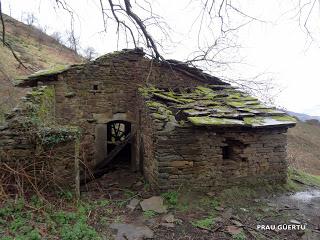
(304, 147)
(36, 50)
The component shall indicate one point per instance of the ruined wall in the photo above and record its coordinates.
(106, 90)
(145, 145)
(15, 144)
(31, 143)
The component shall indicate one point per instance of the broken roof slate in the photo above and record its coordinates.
(26, 81)
(208, 105)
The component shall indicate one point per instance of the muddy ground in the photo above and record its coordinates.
(236, 213)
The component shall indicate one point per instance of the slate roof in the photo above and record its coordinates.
(213, 105)
(46, 74)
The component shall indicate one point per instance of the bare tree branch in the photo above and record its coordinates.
(3, 26)
(6, 44)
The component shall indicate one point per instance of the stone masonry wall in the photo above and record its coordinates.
(203, 158)
(25, 143)
(19, 149)
(145, 145)
(104, 90)
(194, 156)
(171, 155)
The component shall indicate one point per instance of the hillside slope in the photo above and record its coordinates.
(304, 147)
(35, 49)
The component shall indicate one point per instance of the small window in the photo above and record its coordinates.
(95, 87)
(226, 152)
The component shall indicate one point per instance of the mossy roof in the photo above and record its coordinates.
(42, 74)
(215, 106)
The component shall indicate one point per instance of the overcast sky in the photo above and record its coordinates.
(278, 47)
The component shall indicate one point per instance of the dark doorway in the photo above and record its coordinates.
(117, 132)
(115, 141)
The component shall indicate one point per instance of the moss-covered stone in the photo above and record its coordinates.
(252, 121)
(193, 112)
(269, 121)
(236, 104)
(51, 71)
(154, 104)
(204, 106)
(186, 100)
(284, 118)
(167, 98)
(205, 92)
(159, 116)
(210, 121)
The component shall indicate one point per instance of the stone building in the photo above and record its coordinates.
(174, 123)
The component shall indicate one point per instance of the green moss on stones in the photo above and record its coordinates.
(252, 103)
(154, 104)
(205, 92)
(50, 136)
(210, 121)
(40, 102)
(284, 118)
(236, 104)
(144, 92)
(252, 121)
(51, 71)
(204, 106)
(249, 98)
(167, 98)
(235, 96)
(159, 116)
(269, 121)
(186, 100)
(193, 112)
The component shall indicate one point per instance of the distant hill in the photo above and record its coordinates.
(303, 117)
(304, 147)
(35, 49)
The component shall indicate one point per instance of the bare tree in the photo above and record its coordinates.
(57, 36)
(73, 40)
(90, 53)
(217, 24)
(5, 43)
(306, 12)
(29, 19)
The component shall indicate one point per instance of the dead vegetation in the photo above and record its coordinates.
(303, 147)
(35, 49)
(231, 214)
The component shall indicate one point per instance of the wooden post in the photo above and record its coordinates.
(77, 167)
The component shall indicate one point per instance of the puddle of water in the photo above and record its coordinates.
(306, 196)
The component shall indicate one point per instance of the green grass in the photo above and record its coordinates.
(149, 214)
(23, 220)
(205, 223)
(306, 178)
(239, 236)
(209, 203)
(171, 198)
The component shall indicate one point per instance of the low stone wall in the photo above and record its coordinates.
(27, 144)
(15, 144)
